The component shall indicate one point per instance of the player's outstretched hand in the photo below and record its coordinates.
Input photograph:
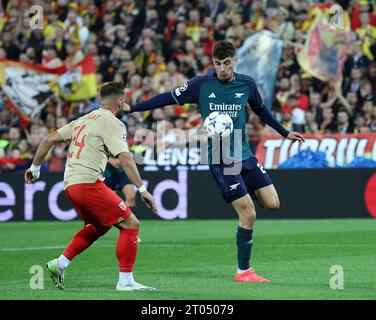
(32, 174)
(29, 178)
(295, 136)
(149, 201)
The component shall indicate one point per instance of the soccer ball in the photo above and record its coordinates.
(218, 124)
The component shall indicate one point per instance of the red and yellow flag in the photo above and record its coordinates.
(79, 82)
(29, 87)
(325, 49)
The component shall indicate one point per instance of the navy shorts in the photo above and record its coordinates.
(237, 181)
(118, 181)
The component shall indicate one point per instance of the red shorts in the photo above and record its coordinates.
(97, 204)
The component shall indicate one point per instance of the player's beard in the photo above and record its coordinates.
(226, 79)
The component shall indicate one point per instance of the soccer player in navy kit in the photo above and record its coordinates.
(230, 92)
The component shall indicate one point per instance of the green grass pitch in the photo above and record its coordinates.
(196, 260)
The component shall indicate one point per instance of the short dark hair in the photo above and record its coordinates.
(223, 49)
(112, 88)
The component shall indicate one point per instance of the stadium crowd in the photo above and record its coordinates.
(154, 46)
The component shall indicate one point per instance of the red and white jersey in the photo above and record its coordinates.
(93, 139)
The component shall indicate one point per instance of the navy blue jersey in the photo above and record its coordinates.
(231, 97)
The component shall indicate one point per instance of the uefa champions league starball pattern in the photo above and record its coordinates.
(218, 125)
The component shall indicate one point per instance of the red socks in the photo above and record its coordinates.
(82, 240)
(126, 250)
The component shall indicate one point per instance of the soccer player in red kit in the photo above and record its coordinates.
(92, 139)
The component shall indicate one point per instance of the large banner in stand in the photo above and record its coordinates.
(340, 149)
(191, 194)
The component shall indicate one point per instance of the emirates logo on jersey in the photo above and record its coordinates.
(122, 206)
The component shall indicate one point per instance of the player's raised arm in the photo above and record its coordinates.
(115, 139)
(32, 174)
(131, 170)
(186, 93)
(265, 115)
(158, 101)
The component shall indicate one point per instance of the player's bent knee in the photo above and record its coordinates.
(134, 224)
(131, 223)
(245, 205)
(247, 217)
(137, 225)
(273, 205)
(100, 230)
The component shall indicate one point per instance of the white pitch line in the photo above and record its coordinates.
(190, 245)
(31, 248)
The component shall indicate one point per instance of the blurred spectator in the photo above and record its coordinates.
(353, 102)
(353, 83)
(286, 120)
(193, 25)
(10, 46)
(283, 90)
(257, 19)
(356, 58)
(75, 29)
(315, 106)
(206, 42)
(144, 55)
(297, 113)
(360, 125)
(367, 110)
(13, 162)
(311, 125)
(343, 122)
(214, 7)
(372, 76)
(288, 64)
(14, 140)
(365, 91)
(50, 54)
(328, 125)
(171, 78)
(373, 122)
(367, 32)
(73, 54)
(279, 23)
(221, 24)
(236, 29)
